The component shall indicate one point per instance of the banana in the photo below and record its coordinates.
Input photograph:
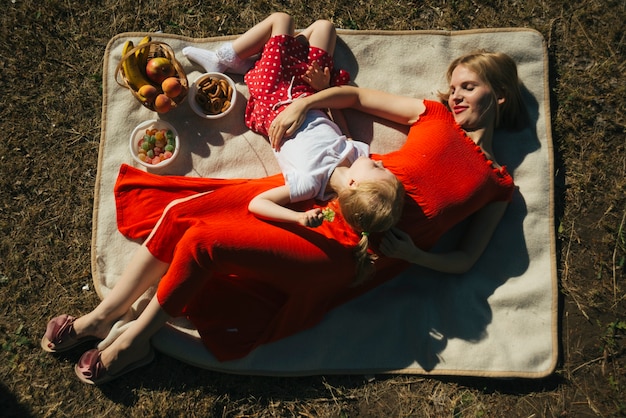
(142, 54)
(131, 69)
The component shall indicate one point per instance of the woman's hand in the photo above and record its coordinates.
(475, 239)
(311, 218)
(287, 122)
(317, 77)
(398, 244)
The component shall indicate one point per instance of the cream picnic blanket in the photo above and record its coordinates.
(498, 320)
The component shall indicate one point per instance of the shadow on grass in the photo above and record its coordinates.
(10, 406)
(169, 375)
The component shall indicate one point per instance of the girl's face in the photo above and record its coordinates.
(473, 103)
(365, 169)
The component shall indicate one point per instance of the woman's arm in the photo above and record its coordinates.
(339, 118)
(399, 109)
(270, 205)
(398, 244)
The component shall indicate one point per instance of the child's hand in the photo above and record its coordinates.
(317, 77)
(311, 218)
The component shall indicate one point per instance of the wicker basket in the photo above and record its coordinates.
(157, 49)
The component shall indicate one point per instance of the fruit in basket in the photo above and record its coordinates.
(162, 103)
(142, 54)
(159, 68)
(171, 87)
(146, 81)
(131, 70)
(148, 92)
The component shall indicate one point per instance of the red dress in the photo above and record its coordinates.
(276, 79)
(244, 282)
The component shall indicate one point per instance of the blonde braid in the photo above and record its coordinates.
(364, 260)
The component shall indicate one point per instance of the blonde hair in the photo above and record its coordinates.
(499, 72)
(369, 208)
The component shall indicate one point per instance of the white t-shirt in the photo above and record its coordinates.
(308, 158)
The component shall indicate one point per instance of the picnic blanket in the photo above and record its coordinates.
(498, 320)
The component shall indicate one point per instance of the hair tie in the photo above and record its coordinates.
(365, 234)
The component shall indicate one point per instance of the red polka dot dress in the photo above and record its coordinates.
(276, 79)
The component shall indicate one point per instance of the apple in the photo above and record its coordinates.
(159, 68)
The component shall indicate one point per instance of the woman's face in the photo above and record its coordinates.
(365, 169)
(471, 100)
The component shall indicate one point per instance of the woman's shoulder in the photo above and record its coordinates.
(434, 111)
(435, 108)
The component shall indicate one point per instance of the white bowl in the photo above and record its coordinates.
(193, 91)
(138, 135)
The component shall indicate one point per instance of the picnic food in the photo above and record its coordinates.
(214, 95)
(156, 145)
(141, 55)
(158, 69)
(162, 103)
(148, 91)
(131, 70)
(329, 214)
(171, 87)
(150, 70)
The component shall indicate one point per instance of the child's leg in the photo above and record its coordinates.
(321, 34)
(234, 56)
(252, 42)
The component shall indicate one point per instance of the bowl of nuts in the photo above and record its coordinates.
(212, 95)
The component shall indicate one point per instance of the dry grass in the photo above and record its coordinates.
(50, 77)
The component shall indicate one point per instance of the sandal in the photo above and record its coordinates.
(60, 335)
(90, 369)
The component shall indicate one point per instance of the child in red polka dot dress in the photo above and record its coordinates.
(290, 66)
(317, 161)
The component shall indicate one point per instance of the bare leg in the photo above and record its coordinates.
(255, 38)
(236, 56)
(143, 271)
(321, 34)
(134, 343)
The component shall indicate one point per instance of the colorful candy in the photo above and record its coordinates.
(157, 145)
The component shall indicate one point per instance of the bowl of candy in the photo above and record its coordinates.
(154, 143)
(212, 95)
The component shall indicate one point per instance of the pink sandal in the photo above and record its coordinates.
(90, 369)
(60, 335)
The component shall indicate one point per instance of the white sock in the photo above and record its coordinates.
(205, 58)
(227, 55)
(223, 59)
